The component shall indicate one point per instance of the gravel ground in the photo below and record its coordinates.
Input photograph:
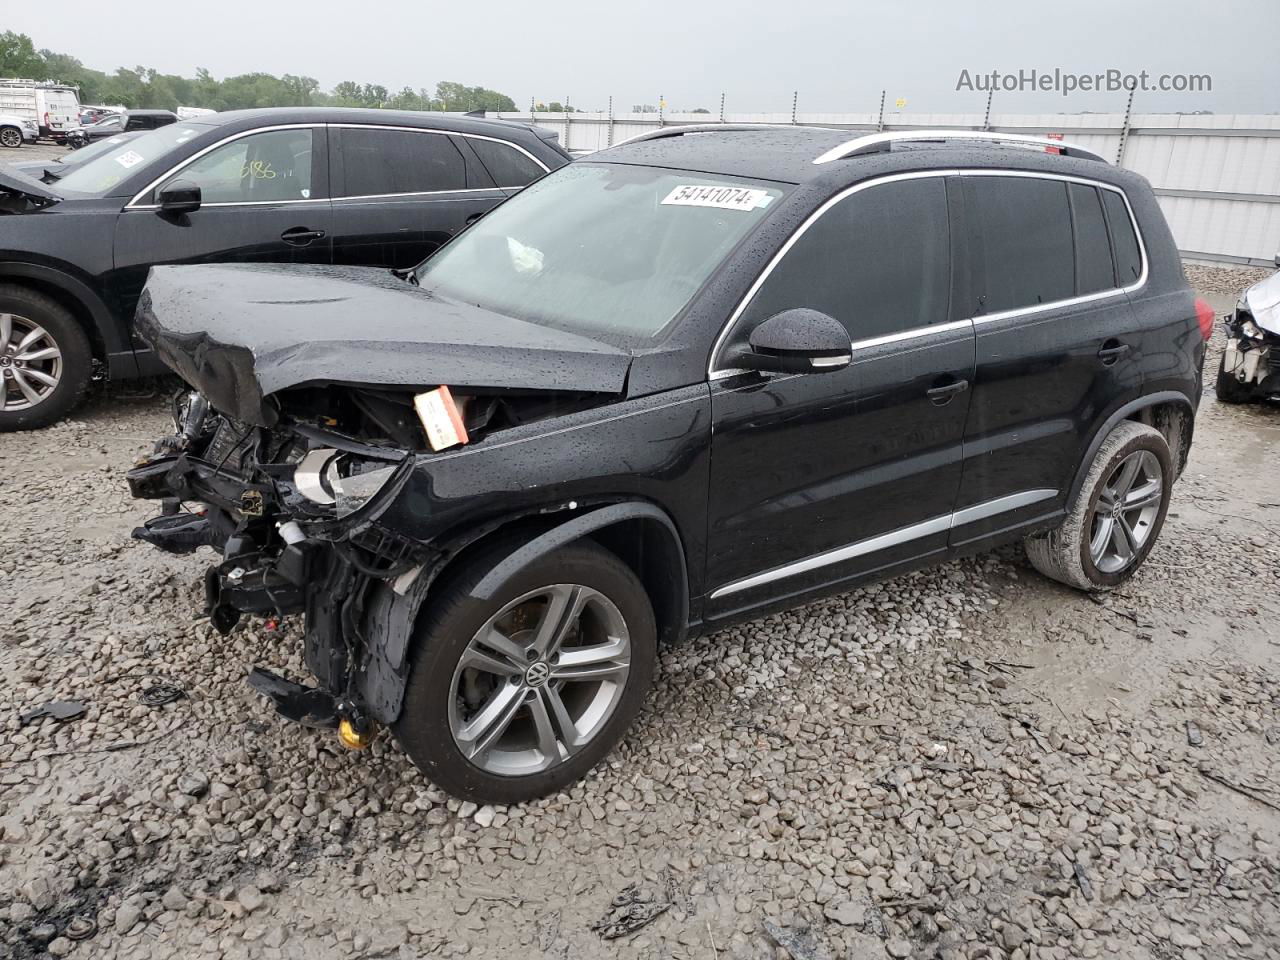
(965, 762)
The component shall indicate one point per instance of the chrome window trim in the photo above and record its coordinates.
(178, 167)
(717, 374)
(418, 193)
(915, 531)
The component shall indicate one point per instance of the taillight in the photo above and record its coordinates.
(1204, 314)
(46, 118)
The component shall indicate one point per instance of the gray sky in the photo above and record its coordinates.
(838, 55)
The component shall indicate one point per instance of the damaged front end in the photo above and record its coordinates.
(303, 428)
(293, 512)
(1251, 359)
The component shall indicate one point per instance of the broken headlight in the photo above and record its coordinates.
(343, 480)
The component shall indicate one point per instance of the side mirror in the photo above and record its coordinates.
(178, 196)
(1277, 261)
(797, 341)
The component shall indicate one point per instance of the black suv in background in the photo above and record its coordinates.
(304, 185)
(674, 385)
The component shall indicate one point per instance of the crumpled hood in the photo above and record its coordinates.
(241, 333)
(1263, 301)
(23, 185)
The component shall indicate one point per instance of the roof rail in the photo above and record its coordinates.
(679, 130)
(881, 142)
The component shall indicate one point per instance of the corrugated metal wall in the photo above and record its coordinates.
(1217, 175)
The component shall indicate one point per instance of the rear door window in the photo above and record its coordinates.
(1094, 270)
(1020, 230)
(1128, 256)
(507, 165)
(384, 162)
(878, 261)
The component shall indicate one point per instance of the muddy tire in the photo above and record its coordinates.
(1115, 519)
(520, 694)
(45, 360)
(1228, 388)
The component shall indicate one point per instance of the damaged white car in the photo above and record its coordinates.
(1250, 367)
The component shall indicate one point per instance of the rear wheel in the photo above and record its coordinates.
(1116, 517)
(1228, 388)
(45, 360)
(519, 695)
(10, 137)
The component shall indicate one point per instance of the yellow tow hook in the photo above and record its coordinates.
(355, 733)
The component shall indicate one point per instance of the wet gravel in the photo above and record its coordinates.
(964, 762)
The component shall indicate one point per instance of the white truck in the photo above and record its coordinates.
(55, 107)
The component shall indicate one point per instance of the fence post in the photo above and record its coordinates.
(1124, 128)
(986, 117)
(880, 121)
(660, 106)
(795, 98)
(609, 142)
(722, 108)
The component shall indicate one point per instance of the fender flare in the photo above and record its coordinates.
(391, 616)
(111, 333)
(1124, 413)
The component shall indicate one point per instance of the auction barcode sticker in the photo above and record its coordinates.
(726, 198)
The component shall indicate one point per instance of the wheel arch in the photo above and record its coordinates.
(74, 295)
(1169, 411)
(640, 533)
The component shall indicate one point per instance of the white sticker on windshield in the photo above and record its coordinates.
(129, 158)
(726, 198)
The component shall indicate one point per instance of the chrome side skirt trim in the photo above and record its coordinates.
(979, 511)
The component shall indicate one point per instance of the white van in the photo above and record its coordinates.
(54, 107)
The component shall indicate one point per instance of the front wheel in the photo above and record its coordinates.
(519, 695)
(1113, 522)
(45, 360)
(10, 137)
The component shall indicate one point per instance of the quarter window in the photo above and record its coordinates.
(507, 165)
(1021, 229)
(1128, 256)
(877, 261)
(262, 167)
(381, 162)
(1094, 271)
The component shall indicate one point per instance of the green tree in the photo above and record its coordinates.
(18, 57)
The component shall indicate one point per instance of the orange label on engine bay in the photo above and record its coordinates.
(441, 418)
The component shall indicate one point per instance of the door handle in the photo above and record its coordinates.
(301, 236)
(942, 395)
(1112, 351)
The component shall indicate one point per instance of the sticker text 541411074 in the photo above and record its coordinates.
(723, 197)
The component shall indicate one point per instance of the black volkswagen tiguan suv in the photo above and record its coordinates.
(296, 185)
(691, 378)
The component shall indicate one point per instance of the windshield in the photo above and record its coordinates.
(600, 249)
(95, 149)
(108, 170)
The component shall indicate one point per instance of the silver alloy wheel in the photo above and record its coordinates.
(30, 363)
(539, 680)
(1125, 512)
(11, 137)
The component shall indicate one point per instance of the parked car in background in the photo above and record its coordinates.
(92, 114)
(1250, 367)
(127, 122)
(690, 379)
(305, 185)
(54, 107)
(15, 130)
